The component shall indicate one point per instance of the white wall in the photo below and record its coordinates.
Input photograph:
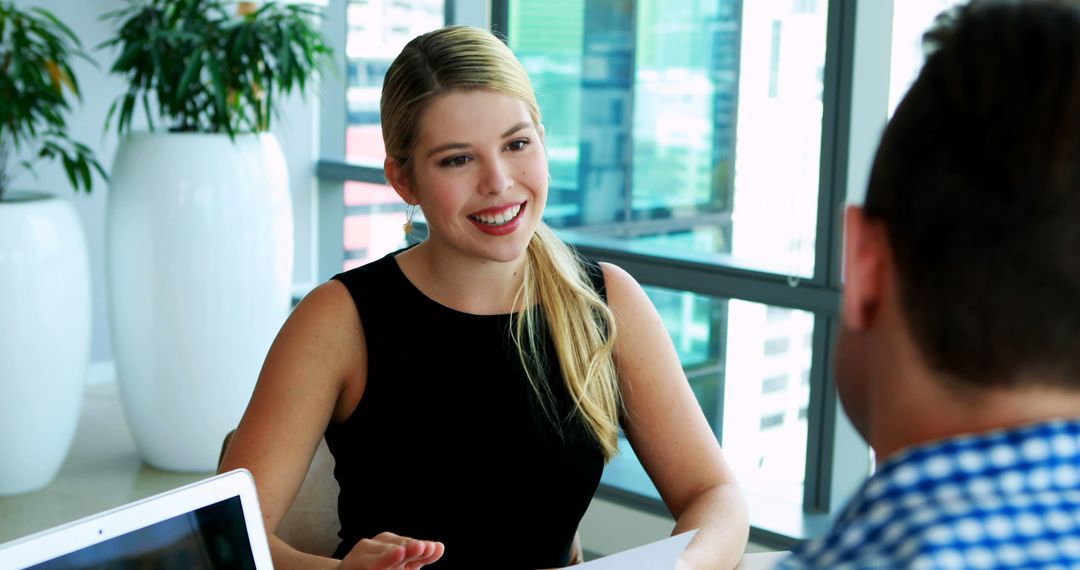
(296, 132)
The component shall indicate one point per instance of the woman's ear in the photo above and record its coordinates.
(540, 130)
(398, 177)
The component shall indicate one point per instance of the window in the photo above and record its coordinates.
(705, 100)
(777, 345)
(377, 30)
(774, 314)
(720, 344)
(771, 421)
(774, 384)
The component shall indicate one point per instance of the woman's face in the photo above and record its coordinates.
(480, 174)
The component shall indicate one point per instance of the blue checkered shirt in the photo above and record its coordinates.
(1005, 499)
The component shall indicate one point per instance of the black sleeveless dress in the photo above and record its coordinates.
(448, 442)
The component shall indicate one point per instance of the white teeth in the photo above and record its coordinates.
(500, 217)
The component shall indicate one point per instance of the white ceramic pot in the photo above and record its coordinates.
(200, 258)
(44, 336)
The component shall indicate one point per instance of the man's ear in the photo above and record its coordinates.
(866, 257)
(398, 177)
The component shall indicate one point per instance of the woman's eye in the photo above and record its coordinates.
(459, 160)
(518, 145)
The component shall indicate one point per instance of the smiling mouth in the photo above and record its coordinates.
(500, 218)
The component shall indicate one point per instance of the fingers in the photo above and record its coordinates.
(392, 557)
(422, 552)
(434, 553)
(374, 554)
(388, 551)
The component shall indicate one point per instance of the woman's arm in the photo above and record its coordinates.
(670, 434)
(315, 371)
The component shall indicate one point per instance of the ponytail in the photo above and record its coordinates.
(582, 329)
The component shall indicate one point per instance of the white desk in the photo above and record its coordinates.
(761, 560)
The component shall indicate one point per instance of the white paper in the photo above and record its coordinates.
(659, 555)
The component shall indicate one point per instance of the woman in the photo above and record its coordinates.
(472, 387)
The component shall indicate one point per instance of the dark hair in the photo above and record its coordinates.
(978, 181)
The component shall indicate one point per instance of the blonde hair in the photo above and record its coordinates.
(556, 292)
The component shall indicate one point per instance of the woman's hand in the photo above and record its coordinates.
(388, 551)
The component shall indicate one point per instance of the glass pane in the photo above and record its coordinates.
(690, 126)
(911, 19)
(377, 30)
(762, 367)
(768, 372)
(373, 222)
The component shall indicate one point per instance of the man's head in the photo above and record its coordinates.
(974, 200)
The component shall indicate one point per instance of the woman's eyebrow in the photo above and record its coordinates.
(516, 128)
(461, 145)
(447, 146)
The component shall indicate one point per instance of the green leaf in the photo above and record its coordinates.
(268, 111)
(194, 66)
(240, 42)
(84, 172)
(221, 96)
(126, 111)
(70, 169)
(146, 111)
(109, 115)
(131, 54)
(155, 59)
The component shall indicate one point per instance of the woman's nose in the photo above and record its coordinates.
(497, 178)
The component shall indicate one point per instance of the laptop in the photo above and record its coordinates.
(210, 524)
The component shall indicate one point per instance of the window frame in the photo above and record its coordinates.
(856, 85)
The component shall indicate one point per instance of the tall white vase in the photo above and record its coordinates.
(200, 258)
(44, 337)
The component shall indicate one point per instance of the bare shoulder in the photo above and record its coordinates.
(323, 330)
(643, 349)
(623, 291)
(328, 305)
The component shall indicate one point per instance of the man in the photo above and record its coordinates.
(959, 356)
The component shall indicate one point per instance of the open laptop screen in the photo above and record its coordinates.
(211, 537)
(214, 523)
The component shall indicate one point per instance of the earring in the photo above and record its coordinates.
(410, 211)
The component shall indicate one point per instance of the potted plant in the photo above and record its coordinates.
(199, 217)
(44, 267)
